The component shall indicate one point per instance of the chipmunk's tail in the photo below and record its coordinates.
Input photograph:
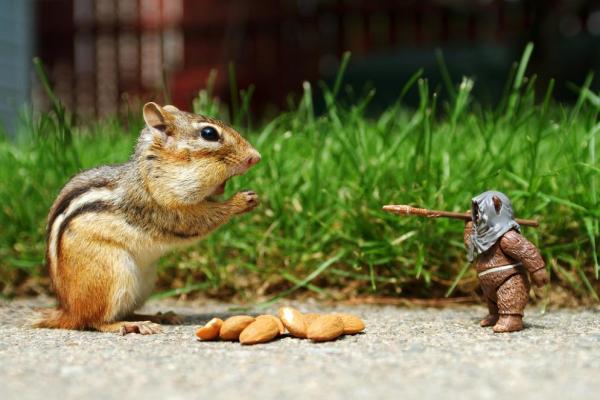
(56, 319)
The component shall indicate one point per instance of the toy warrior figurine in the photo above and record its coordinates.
(501, 255)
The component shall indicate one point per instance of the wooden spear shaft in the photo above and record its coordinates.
(422, 212)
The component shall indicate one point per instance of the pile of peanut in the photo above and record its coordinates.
(264, 328)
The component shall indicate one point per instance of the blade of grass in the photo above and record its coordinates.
(457, 279)
(340, 74)
(165, 87)
(233, 92)
(515, 96)
(302, 283)
(439, 57)
(179, 291)
(308, 286)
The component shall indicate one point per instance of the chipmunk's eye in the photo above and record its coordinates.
(209, 133)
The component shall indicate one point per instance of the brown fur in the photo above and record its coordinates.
(108, 225)
(507, 292)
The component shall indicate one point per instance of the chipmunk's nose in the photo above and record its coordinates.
(253, 159)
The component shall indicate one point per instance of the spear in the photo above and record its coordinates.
(423, 212)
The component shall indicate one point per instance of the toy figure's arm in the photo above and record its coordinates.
(514, 245)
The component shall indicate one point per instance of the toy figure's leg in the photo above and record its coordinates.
(489, 285)
(513, 295)
(492, 317)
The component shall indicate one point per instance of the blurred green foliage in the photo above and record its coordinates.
(323, 180)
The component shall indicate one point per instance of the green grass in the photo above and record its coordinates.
(323, 180)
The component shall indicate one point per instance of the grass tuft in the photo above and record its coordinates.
(323, 180)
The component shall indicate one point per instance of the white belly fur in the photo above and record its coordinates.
(137, 277)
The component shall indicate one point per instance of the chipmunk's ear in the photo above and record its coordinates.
(497, 204)
(157, 118)
(171, 108)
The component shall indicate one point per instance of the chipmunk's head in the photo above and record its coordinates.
(189, 157)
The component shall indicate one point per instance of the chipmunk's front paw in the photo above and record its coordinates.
(245, 201)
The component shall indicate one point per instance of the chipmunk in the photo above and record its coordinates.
(109, 225)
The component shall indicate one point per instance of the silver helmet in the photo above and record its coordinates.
(492, 216)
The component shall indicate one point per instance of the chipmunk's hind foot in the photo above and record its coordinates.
(125, 327)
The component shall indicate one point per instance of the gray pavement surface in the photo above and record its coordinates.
(404, 354)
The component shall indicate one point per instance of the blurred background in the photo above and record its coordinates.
(524, 121)
(102, 53)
